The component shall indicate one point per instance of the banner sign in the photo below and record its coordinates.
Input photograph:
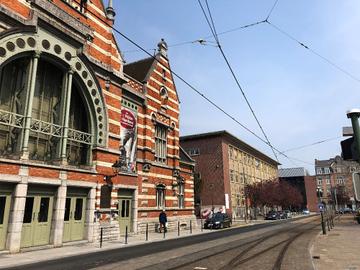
(128, 138)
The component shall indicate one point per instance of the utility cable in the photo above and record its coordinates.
(185, 82)
(311, 144)
(313, 51)
(213, 30)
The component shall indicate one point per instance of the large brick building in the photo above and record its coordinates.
(300, 179)
(85, 141)
(333, 176)
(225, 164)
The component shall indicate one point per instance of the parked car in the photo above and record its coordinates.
(306, 212)
(272, 215)
(282, 215)
(288, 214)
(218, 221)
(345, 210)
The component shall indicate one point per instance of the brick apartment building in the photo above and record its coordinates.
(335, 174)
(225, 165)
(85, 141)
(304, 183)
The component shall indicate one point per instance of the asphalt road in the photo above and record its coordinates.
(225, 249)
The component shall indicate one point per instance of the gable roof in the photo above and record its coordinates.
(293, 172)
(139, 69)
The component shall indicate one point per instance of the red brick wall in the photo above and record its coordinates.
(311, 197)
(211, 166)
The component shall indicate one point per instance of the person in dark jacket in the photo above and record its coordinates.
(162, 220)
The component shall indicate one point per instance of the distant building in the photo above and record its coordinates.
(333, 176)
(303, 182)
(225, 164)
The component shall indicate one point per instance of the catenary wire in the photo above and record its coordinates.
(188, 84)
(311, 144)
(271, 10)
(213, 30)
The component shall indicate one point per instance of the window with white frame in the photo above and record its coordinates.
(326, 170)
(160, 143)
(318, 171)
(340, 180)
(319, 181)
(160, 196)
(328, 180)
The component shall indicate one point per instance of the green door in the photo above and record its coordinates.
(74, 219)
(4, 218)
(37, 221)
(124, 214)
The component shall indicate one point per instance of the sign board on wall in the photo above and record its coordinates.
(128, 139)
(227, 204)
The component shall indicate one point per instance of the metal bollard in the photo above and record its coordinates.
(126, 235)
(101, 237)
(328, 224)
(147, 232)
(323, 223)
(190, 227)
(178, 228)
(201, 223)
(164, 231)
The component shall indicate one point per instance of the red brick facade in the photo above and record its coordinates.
(88, 49)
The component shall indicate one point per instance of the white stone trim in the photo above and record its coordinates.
(143, 196)
(99, 23)
(186, 190)
(44, 181)
(106, 53)
(103, 163)
(76, 183)
(167, 79)
(108, 93)
(10, 178)
(156, 175)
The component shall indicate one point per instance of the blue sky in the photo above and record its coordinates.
(298, 97)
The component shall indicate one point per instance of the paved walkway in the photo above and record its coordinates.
(339, 248)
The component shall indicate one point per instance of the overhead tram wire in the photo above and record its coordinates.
(185, 82)
(213, 30)
(311, 144)
(271, 10)
(280, 30)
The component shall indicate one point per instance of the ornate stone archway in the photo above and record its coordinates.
(13, 44)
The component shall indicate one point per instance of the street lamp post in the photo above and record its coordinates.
(319, 195)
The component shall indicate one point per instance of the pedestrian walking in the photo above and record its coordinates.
(162, 220)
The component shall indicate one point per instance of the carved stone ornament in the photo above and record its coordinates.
(146, 167)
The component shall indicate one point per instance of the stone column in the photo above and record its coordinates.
(57, 224)
(65, 117)
(17, 213)
(90, 215)
(29, 102)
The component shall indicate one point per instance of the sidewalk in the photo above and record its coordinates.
(45, 253)
(339, 248)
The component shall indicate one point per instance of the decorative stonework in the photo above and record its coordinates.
(44, 42)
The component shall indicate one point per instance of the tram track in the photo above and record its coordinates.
(237, 260)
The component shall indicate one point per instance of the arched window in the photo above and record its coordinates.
(46, 119)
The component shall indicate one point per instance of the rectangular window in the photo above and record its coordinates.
(78, 209)
(328, 181)
(326, 170)
(160, 197)
(67, 209)
(181, 195)
(160, 143)
(231, 176)
(44, 210)
(319, 181)
(2, 208)
(318, 171)
(29, 203)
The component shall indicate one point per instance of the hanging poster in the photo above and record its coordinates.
(128, 138)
